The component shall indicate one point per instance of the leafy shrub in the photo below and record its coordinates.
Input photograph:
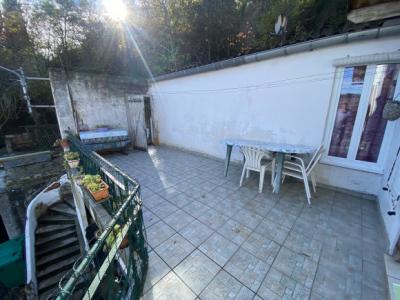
(71, 155)
(93, 182)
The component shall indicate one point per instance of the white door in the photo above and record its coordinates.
(136, 121)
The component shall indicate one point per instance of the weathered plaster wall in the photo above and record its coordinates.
(196, 112)
(62, 101)
(97, 100)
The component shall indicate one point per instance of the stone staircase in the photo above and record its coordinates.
(57, 245)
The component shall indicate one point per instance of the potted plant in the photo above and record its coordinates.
(96, 187)
(72, 159)
(111, 238)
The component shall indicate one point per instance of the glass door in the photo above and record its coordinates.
(358, 133)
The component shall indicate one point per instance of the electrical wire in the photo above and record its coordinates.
(263, 85)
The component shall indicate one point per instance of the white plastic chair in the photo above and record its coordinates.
(252, 162)
(299, 170)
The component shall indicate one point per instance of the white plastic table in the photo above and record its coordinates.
(280, 149)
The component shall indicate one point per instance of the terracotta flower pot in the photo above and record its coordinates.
(100, 194)
(124, 243)
(64, 144)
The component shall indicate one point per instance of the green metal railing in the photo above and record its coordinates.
(107, 272)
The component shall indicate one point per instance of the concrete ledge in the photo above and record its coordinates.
(25, 159)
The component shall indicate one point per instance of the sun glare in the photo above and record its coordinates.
(115, 9)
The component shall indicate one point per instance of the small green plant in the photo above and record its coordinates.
(71, 155)
(93, 182)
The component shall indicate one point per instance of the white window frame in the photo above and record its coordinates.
(350, 161)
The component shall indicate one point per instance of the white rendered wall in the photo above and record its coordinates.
(292, 111)
(392, 223)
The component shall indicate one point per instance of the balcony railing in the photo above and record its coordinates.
(107, 271)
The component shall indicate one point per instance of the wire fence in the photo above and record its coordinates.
(43, 136)
(115, 266)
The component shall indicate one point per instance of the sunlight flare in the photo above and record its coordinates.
(115, 9)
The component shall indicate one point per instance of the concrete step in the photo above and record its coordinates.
(78, 293)
(45, 230)
(68, 242)
(56, 219)
(63, 209)
(57, 256)
(55, 237)
(49, 284)
(70, 202)
(45, 295)
(63, 265)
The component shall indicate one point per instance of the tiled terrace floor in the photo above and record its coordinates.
(210, 239)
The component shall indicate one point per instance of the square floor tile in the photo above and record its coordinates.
(218, 248)
(158, 233)
(149, 218)
(297, 266)
(338, 255)
(280, 217)
(170, 287)
(374, 275)
(259, 207)
(169, 193)
(153, 201)
(277, 285)
(179, 219)
(274, 231)
(224, 286)
(311, 228)
(247, 268)
(164, 209)
(213, 218)
(235, 231)
(157, 269)
(331, 284)
(180, 199)
(174, 250)
(303, 245)
(209, 199)
(227, 207)
(372, 293)
(196, 208)
(197, 270)
(196, 232)
(261, 247)
(247, 218)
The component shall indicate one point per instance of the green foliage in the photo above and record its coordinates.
(117, 230)
(171, 34)
(18, 50)
(93, 182)
(71, 155)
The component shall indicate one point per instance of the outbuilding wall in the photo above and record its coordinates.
(88, 100)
